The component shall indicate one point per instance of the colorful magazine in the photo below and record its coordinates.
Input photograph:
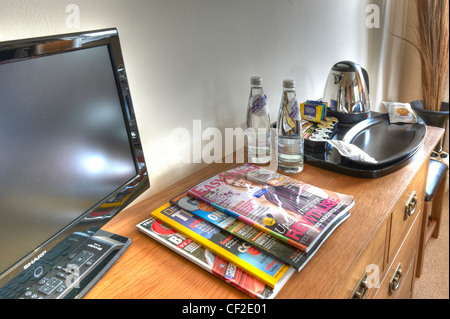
(290, 210)
(209, 261)
(274, 247)
(236, 251)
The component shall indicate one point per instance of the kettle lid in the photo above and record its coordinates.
(346, 66)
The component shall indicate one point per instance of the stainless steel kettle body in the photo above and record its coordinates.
(347, 92)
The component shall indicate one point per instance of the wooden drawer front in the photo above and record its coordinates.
(405, 212)
(406, 289)
(370, 265)
(400, 285)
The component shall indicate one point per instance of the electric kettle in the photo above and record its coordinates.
(347, 93)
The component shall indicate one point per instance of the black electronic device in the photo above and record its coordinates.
(71, 159)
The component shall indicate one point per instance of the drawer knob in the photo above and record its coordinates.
(411, 205)
(361, 289)
(396, 279)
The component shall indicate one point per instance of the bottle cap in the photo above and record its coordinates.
(289, 84)
(256, 80)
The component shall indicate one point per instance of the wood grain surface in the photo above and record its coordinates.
(150, 270)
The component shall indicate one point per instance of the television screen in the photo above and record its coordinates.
(70, 150)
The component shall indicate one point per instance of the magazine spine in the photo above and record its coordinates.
(287, 257)
(254, 271)
(243, 288)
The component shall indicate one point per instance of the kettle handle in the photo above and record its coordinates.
(366, 78)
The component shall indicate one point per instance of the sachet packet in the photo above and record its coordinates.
(400, 112)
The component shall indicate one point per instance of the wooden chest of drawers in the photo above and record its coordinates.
(387, 266)
(377, 243)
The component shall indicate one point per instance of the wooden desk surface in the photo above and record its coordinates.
(150, 270)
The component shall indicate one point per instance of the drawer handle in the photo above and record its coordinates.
(396, 279)
(411, 205)
(361, 289)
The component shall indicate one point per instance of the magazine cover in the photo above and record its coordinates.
(236, 251)
(288, 209)
(208, 260)
(274, 247)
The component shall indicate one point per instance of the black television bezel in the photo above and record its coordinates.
(114, 203)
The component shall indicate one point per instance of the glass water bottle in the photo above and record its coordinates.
(289, 131)
(258, 124)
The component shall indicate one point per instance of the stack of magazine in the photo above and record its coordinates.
(249, 226)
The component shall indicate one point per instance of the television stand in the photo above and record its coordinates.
(70, 269)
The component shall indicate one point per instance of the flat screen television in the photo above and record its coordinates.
(70, 160)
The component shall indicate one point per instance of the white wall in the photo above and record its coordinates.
(192, 59)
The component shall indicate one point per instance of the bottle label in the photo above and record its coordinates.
(259, 139)
(293, 149)
(258, 105)
(291, 115)
(294, 109)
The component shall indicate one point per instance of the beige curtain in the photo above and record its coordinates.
(385, 53)
(399, 68)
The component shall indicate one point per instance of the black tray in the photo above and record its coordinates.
(386, 142)
(365, 133)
